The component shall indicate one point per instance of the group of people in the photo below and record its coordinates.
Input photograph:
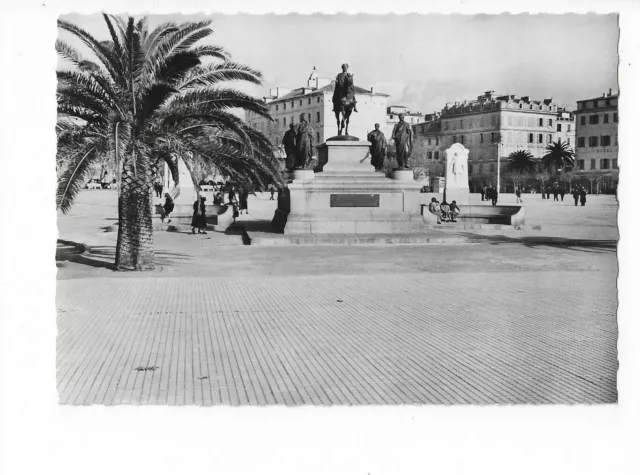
(445, 212)
(237, 199)
(579, 193)
(489, 193)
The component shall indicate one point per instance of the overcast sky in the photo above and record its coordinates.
(422, 61)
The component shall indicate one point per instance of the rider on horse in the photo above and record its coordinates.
(344, 98)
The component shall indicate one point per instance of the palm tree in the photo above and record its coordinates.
(559, 155)
(150, 97)
(521, 161)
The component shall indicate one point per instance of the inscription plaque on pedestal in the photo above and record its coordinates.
(354, 201)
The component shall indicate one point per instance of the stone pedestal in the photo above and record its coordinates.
(346, 195)
(456, 186)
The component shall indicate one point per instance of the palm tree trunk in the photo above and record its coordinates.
(134, 249)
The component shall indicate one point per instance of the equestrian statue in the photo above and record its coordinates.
(344, 99)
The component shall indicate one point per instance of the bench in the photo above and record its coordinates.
(482, 214)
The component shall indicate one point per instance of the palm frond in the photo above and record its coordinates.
(75, 176)
(212, 74)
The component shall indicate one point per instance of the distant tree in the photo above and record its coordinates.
(521, 161)
(568, 177)
(559, 155)
(543, 178)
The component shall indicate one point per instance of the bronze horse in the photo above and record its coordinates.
(344, 102)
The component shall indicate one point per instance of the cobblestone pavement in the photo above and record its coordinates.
(498, 338)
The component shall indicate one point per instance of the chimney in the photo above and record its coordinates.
(609, 91)
(604, 95)
(371, 89)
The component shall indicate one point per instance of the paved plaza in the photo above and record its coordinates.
(528, 320)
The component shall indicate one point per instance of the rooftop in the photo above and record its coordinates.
(303, 91)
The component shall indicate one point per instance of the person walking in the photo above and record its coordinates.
(232, 195)
(494, 196)
(518, 195)
(562, 193)
(199, 219)
(583, 196)
(272, 190)
(244, 201)
(167, 207)
(555, 193)
(483, 192)
(576, 195)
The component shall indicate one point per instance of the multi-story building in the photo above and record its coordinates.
(493, 127)
(314, 100)
(597, 139)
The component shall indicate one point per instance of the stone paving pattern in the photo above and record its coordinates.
(475, 338)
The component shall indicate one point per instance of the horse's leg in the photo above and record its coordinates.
(338, 122)
(342, 123)
(347, 115)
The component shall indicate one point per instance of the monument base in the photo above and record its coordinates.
(346, 196)
(459, 195)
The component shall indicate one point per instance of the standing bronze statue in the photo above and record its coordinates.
(378, 147)
(403, 137)
(304, 143)
(344, 99)
(289, 142)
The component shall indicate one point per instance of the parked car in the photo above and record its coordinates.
(94, 184)
(105, 185)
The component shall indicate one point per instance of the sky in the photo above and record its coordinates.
(421, 61)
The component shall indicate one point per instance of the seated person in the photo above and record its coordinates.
(445, 210)
(454, 210)
(434, 208)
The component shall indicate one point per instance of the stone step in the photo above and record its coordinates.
(264, 239)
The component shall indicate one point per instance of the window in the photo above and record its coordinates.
(605, 119)
(559, 128)
(318, 136)
(480, 165)
(436, 155)
(317, 116)
(276, 106)
(615, 117)
(549, 138)
(493, 120)
(593, 164)
(309, 118)
(493, 137)
(292, 104)
(539, 138)
(614, 163)
(593, 119)
(605, 140)
(580, 142)
(438, 141)
(300, 101)
(580, 164)
(318, 99)
(309, 101)
(481, 138)
(616, 140)
(540, 122)
(595, 104)
(429, 155)
(583, 120)
(428, 141)
(550, 122)
(462, 139)
(284, 121)
(568, 127)
(604, 164)
(492, 167)
(446, 126)
(461, 126)
(453, 139)
(593, 141)
(284, 107)
(530, 138)
(470, 168)
(568, 140)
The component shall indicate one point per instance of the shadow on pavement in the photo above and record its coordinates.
(585, 245)
(259, 226)
(104, 256)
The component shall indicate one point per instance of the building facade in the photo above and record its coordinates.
(597, 140)
(315, 101)
(493, 127)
